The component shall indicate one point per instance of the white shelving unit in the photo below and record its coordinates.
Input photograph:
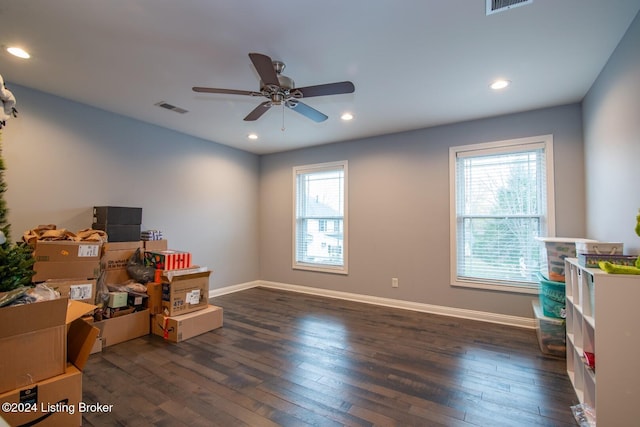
(610, 301)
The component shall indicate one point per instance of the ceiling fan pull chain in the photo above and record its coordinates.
(282, 128)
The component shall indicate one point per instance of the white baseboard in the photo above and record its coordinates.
(234, 288)
(483, 316)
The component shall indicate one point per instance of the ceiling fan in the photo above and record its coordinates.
(280, 90)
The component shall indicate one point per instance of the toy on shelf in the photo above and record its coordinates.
(623, 269)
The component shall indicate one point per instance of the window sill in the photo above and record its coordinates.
(321, 269)
(514, 289)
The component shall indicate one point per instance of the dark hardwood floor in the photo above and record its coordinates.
(290, 359)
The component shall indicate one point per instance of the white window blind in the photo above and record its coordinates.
(502, 204)
(320, 217)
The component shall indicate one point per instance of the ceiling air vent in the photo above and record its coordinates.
(495, 6)
(168, 106)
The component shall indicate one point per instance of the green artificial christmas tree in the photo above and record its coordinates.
(16, 260)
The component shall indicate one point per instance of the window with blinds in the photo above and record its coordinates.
(502, 199)
(320, 221)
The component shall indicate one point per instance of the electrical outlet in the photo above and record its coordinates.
(394, 282)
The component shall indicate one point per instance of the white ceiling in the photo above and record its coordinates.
(414, 63)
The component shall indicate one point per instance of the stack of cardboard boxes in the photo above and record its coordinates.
(169, 298)
(45, 345)
(122, 325)
(178, 288)
(183, 293)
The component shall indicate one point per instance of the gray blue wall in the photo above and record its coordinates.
(399, 208)
(63, 158)
(611, 113)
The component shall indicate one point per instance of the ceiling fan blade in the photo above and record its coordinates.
(265, 69)
(225, 91)
(258, 111)
(307, 111)
(326, 89)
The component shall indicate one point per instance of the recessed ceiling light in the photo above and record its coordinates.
(20, 53)
(252, 136)
(347, 116)
(499, 84)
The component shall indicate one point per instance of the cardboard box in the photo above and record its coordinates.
(121, 246)
(185, 326)
(156, 245)
(79, 290)
(110, 313)
(32, 343)
(154, 303)
(65, 270)
(34, 340)
(168, 260)
(32, 356)
(56, 400)
(65, 259)
(119, 232)
(184, 291)
(123, 328)
(117, 215)
(81, 335)
(117, 299)
(66, 251)
(97, 346)
(115, 258)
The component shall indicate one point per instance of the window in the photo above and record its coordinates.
(320, 225)
(501, 200)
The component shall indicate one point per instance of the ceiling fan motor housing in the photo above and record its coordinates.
(286, 82)
(282, 92)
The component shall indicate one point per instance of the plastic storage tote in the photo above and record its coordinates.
(556, 249)
(552, 298)
(551, 332)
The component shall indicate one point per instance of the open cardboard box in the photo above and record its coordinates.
(115, 258)
(75, 289)
(51, 402)
(122, 328)
(81, 335)
(37, 340)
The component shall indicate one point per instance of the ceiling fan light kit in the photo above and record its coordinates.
(280, 90)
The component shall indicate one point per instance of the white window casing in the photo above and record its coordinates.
(501, 199)
(320, 220)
